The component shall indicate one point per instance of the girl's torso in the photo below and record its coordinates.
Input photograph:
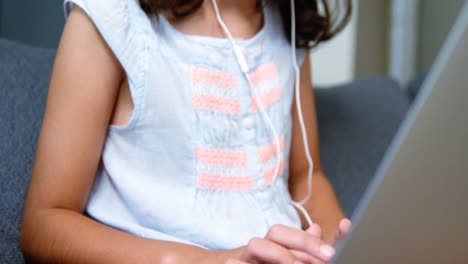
(195, 161)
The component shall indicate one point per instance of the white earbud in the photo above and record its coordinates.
(237, 51)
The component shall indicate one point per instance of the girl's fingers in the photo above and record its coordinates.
(305, 258)
(315, 230)
(262, 250)
(343, 228)
(296, 239)
(235, 261)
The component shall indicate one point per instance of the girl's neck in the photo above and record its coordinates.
(243, 18)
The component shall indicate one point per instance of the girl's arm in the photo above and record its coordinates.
(323, 206)
(83, 91)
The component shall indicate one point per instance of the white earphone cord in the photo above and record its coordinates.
(245, 69)
(300, 204)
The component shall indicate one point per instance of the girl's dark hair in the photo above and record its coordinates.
(315, 20)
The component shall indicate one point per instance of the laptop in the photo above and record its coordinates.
(416, 208)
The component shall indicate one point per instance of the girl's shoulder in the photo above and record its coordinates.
(112, 13)
(124, 26)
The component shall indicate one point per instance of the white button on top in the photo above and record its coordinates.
(249, 122)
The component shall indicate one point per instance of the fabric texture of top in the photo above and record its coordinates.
(195, 162)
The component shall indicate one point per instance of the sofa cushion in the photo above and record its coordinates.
(357, 122)
(24, 78)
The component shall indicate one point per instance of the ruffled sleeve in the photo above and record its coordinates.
(125, 28)
(128, 31)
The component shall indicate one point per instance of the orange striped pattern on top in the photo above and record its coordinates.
(268, 151)
(216, 103)
(269, 174)
(221, 79)
(268, 98)
(224, 182)
(225, 157)
(263, 73)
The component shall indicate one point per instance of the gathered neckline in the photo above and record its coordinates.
(218, 41)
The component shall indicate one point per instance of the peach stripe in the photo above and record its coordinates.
(224, 182)
(268, 151)
(213, 77)
(270, 172)
(227, 157)
(267, 98)
(216, 103)
(263, 73)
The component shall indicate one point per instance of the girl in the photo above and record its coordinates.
(170, 136)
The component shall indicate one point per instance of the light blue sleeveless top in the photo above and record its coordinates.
(195, 163)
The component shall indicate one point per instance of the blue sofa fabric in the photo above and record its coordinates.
(24, 78)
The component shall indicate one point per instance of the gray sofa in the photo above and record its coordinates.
(357, 121)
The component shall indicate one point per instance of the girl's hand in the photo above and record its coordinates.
(343, 228)
(284, 244)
